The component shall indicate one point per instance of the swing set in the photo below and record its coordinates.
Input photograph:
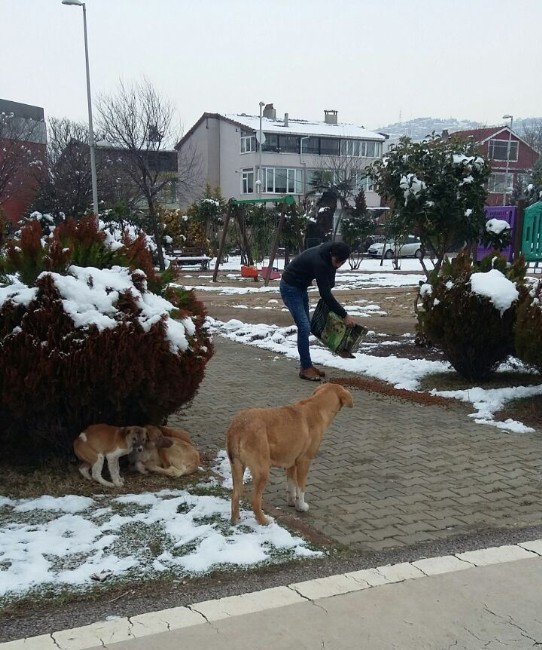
(234, 210)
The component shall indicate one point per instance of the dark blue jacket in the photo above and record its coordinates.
(315, 264)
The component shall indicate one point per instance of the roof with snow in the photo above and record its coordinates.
(305, 127)
(294, 126)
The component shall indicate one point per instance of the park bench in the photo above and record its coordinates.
(191, 257)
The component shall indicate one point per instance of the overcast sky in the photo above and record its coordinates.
(372, 60)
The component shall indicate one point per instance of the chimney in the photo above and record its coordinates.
(270, 112)
(285, 119)
(330, 117)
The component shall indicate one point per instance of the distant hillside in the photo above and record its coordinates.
(421, 127)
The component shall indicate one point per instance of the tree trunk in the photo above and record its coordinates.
(157, 232)
(244, 238)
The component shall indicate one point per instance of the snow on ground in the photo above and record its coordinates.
(55, 542)
(367, 265)
(487, 401)
(344, 281)
(400, 372)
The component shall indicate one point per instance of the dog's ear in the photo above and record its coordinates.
(162, 442)
(346, 397)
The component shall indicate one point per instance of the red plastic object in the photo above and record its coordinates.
(248, 272)
(274, 274)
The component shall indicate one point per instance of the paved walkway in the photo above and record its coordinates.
(390, 473)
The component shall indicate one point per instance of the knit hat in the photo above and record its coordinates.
(340, 251)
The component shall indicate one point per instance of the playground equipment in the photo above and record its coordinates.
(531, 241)
(506, 213)
(232, 210)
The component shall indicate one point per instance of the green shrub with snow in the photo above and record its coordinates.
(82, 344)
(436, 189)
(528, 331)
(470, 313)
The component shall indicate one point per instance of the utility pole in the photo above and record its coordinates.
(511, 118)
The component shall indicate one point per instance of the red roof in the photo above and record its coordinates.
(479, 135)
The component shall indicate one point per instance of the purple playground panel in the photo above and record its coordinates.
(505, 213)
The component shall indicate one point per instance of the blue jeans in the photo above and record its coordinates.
(297, 301)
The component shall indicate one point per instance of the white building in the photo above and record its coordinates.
(293, 150)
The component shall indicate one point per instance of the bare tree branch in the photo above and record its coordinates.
(532, 134)
(140, 123)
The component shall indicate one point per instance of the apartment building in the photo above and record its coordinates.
(23, 143)
(291, 152)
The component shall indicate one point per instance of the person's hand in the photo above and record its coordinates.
(349, 321)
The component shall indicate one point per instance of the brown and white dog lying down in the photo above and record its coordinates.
(99, 442)
(167, 451)
(288, 436)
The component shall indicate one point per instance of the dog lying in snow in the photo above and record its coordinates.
(288, 436)
(167, 451)
(99, 442)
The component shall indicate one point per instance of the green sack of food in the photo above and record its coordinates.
(333, 333)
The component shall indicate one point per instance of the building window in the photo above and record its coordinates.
(363, 182)
(329, 147)
(311, 178)
(288, 144)
(497, 183)
(282, 180)
(310, 145)
(361, 148)
(168, 193)
(498, 150)
(248, 143)
(360, 180)
(247, 181)
(271, 142)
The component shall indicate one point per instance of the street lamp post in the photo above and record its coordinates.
(511, 118)
(260, 143)
(79, 3)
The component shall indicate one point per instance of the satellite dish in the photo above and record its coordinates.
(261, 139)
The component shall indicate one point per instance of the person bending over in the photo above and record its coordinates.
(319, 263)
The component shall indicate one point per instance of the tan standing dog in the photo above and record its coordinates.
(168, 451)
(103, 441)
(288, 437)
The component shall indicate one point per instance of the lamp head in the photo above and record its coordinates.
(504, 117)
(76, 3)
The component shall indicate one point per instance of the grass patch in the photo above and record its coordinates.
(59, 477)
(453, 381)
(527, 410)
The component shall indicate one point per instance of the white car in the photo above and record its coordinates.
(410, 247)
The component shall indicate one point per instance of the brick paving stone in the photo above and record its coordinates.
(378, 482)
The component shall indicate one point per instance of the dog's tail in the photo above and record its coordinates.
(229, 449)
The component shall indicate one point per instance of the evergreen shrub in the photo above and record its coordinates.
(528, 331)
(85, 345)
(473, 333)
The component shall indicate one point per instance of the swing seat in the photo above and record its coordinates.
(249, 271)
(274, 274)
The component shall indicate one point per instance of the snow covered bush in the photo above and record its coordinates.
(497, 234)
(470, 313)
(528, 332)
(82, 344)
(436, 189)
